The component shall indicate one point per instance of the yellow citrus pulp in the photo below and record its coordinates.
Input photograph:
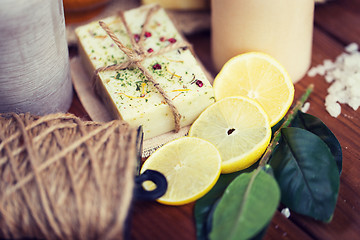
(238, 127)
(260, 77)
(191, 166)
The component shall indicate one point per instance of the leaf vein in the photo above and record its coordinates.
(300, 169)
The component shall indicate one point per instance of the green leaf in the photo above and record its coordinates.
(246, 207)
(316, 126)
(205, 206)
(307, 174)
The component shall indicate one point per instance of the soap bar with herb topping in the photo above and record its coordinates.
(127, 93)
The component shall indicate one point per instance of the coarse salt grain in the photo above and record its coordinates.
(344, 74)
(312, 72)
(352, 47)
(306, 107)
(286, 212)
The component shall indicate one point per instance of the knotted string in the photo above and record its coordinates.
(137, 54)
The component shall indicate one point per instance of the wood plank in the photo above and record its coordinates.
(340, 19)
(77, 109)
(151, 220)
(346, 220)
(350, 5)
(345, 223)
(282, 228)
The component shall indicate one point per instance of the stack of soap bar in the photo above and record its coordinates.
(127, 93)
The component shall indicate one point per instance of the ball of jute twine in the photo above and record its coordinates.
(64, 178)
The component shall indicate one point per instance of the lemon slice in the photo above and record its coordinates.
(191, 166)
(260, 77)
(239, 128)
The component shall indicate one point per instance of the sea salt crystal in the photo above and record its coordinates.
(286, 212)
(352, 47)
(312, 72)
(354, 103)
(306, 107)
(332, 106)
(329, 78)
(344, 74)
(328, 64)
(321, 70)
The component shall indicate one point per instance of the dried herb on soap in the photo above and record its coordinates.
(172, 40)
(199, 83)
(156, 66)
(138, 85)
(137, 37)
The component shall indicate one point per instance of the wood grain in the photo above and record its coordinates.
(337, 24)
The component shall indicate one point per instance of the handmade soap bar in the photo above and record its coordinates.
(128, 93)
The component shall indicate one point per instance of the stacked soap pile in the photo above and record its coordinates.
(344, 74)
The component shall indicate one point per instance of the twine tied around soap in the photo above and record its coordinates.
(137, 54)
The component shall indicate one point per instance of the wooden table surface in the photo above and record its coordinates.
(337, 23)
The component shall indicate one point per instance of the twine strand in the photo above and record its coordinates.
(174, 110)
(128, 167)
(135, 46)
(5, 214)
(43, 194)
(93, 162)
(149, 15)
(74, 187)
(25, 194)
(118, 43)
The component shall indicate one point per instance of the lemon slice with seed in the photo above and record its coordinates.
(239, 128)
(260, 77)
(191, 166)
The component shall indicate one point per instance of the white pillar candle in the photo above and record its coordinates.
(280, 28)
(34, 62)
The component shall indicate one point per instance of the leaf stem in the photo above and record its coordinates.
(290, 116)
